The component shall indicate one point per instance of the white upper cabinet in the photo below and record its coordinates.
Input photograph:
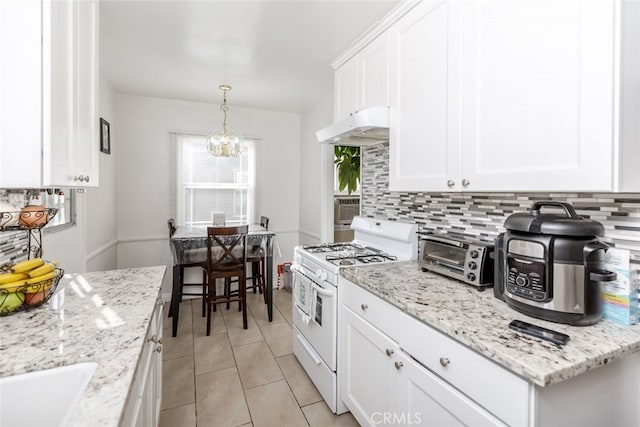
(537, 95)
(420, 153)
(49, 94)
(515, 96)
(362, 81)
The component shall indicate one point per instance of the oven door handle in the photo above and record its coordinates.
(309, 350)
(321, 291)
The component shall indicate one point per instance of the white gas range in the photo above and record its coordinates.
(315, 293)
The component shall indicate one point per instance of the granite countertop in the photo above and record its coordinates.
(480, 321)
(97, 317)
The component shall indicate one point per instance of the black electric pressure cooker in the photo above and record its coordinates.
(550, 265)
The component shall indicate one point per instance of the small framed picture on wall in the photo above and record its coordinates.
(105, 136)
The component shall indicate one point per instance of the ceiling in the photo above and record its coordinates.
(276, 55)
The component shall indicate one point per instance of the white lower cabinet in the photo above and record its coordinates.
(142, 408)
(425, 399)
(368, 384)
(383, 385)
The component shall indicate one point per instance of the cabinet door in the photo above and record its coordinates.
(345, 89)
(365, 372)
(70, 129)
(157, 367)
(425, 399)
(537, 95)
(57, 96)
(373, 73)
(20, 93)
(86, 143)
(423, 150)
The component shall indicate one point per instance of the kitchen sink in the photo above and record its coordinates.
(45, 397)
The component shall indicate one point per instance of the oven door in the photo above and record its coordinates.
(445, 253)
(321, 329)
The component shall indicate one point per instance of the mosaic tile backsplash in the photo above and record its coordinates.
(13, 244)
(481, 215)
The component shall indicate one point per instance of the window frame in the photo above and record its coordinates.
(250, 185)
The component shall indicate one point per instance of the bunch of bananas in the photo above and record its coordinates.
(26, 282)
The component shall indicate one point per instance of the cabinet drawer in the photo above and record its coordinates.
(374, 310)
(476, 376)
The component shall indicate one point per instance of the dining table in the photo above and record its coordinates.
(190, 237)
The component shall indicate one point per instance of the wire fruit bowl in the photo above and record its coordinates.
(26, 220)
(24, 294)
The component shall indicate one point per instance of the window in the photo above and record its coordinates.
(207, 184)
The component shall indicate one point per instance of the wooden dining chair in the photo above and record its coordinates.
(226, 259)
(189, 257)
(256, 257)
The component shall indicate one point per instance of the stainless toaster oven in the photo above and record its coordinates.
(458, 257)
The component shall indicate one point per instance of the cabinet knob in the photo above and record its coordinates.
(399, 365)
(86, 178)
(158, 349)
(451, 183)
(389, 351)
(465, 182)
(81, 178)
(444, 361)
(364, 307)
(155, 339)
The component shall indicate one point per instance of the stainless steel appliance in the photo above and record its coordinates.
(458, 257)
(316, 298)
(551, 265)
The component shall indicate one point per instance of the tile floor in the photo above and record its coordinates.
(237, 377)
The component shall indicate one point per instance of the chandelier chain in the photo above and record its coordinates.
(224, 144)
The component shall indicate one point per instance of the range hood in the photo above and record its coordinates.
(366, 127)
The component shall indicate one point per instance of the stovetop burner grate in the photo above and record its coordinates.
(338, 247)
(353, 259)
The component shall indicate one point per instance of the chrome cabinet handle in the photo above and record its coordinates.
(465, 182)
(364, 307)
(399, 365)
(451, 183)
(389, 351)
(444, 361)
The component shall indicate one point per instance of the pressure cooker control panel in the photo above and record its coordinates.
(526, 278)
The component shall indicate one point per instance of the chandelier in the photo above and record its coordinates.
(222, 143)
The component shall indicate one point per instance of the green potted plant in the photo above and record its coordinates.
(347, 161)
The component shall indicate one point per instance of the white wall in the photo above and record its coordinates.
(101, 202)
(311, 169)
(146, 162)
(90, 245)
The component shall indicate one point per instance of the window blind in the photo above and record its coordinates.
(208, 184)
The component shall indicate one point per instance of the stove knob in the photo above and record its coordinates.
(471, 277)
(472, 265)
(322, 275)
(473, 254)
